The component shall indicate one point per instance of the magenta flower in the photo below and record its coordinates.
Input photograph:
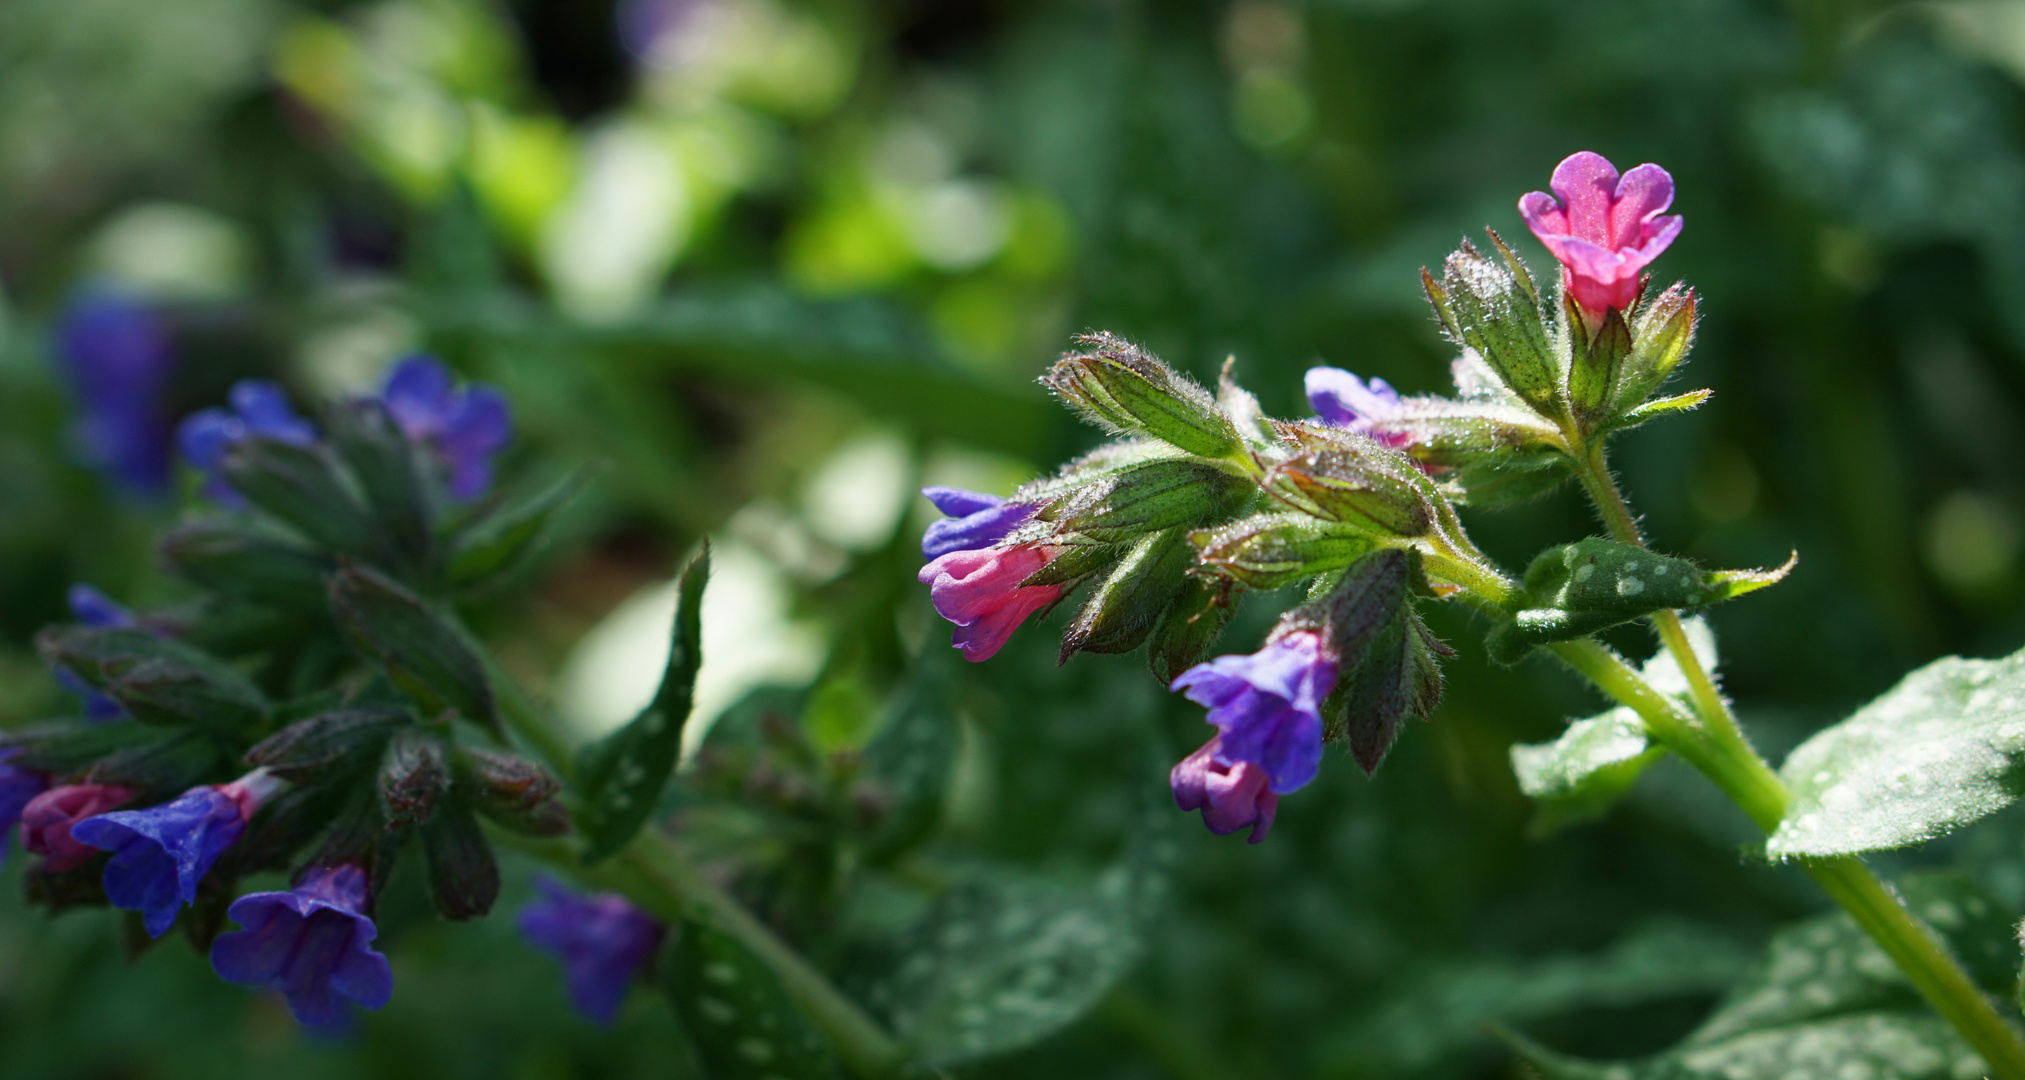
(1267, 706)
(1603, 228)
(312, 943)
(1231, 797)
(1346, 401)
(603, 941)
(161, 853)
(980, 592)
(975, 521)
(48, 818)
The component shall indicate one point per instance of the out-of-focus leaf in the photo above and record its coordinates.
(744, 1025)
(911, 756)
(497, 546)
(1939, 750)
(422, 653)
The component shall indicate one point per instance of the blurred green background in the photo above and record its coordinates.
(782, 262)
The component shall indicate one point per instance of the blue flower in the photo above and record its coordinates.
(603, 941)
(18, 787)
(116, 354)
(975, 521)
(1343, 400)
(312, 943)
(465, 428)
(94, 608)
(259, 407)
(161, 853)
(1268, 706)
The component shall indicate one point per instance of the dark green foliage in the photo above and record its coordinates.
(423, 653)
(1590, 585)
(742, 1023)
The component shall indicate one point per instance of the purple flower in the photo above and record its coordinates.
(94, 608)
(1267, 706)
(1604, 229)
(464, 427)
(117, 356)
(18, 787)
(1231, 797)
(47, 819)
(161, 853)
(975, 521)
(312, 943)
(259, 407)
(1343, 400)
(602, 941)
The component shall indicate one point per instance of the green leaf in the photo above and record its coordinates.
(1826, 1001)
(1939, 750)
(1581, 775)
(744, 1025)
(1577, 589)
(494, 548)
(620, 777)
(911, 755)
(1658, 407)
(424, 655)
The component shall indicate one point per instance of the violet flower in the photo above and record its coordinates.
(259, 407)
(1267, 706)
(465, 428)
(975, 521)
(18, 787)
(94, 608)
(313, 943)
(980, 592)
(117, 357)
(161, 853)
(47, 819)
(1343, 400)
(1231, 797)
(603, 941)
(1604, 229)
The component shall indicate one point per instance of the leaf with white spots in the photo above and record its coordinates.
(620, 777)
(743, 1024)
(1939, 750)
(1577, 589)
(1827, 1002)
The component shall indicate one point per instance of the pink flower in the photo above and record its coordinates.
(980, 592)
(1604, 229)
(46, 822)
(1230, 796)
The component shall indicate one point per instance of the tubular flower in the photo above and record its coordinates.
(465, 428)
(94, 608)
(312, 943)
(161, 853)
(1343, 400)
(975, 521)
(1604, 229)
(18, 787)
(48, 818)
(1231, 797)
(603, 941)
(117, 356)
(980, 592)
(259, 407)
(1267, 706)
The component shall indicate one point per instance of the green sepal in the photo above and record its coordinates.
(1351, 480)
(1189, 629)
(239, 559)
(1122, 609)
(1123, 388)
(744, 1025)
(159, 680)
(1075, 560)
(495, 548)
(1594, 367)
(619, 778)
(158, 770)
(329, 745)
(1273, 550)
(1146, 497)
(65, 746)
(424, 655)
(392, 475)
(414, 777)
(1485, 307)
(1494, 485)
(463, 876)
(1387, 662)
(1659, 407)
(1577, 589)
(303, 487)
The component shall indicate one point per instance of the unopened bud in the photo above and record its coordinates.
(389, 469)
(327, 745)
(422, 654)
(463, 877)
(1123, 608)
(1661, 339)
(1124, 388)
(1148, 497)
(414, 774)
(239, 560)
(1189, 629)
(1349, 479)
(1495, 310)
(496, 782)
(302, 486)
(1268, 551)
(159, 680)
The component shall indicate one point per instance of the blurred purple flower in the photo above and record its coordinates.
(47, 819)
(18, 787)
(1267, 706)
(603, 941)
(465, 428)
(94, 608)
(1604, 229)
(1343, 400)
(259, 407)
(312, 943)
(1231, 797)
(161, 853)
(975, 521)
(117, 357)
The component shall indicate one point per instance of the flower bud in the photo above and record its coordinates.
(158, 680)
(1121, 387)
(239, 560)
(1386, 657)
(327, 745)
(1495, 310)
(463, 877)
(302, 486)
(389, 469)
(1123, 608)
(1347, 478)
(1268, 551)
(423, 655)
(414, 774)
(509, 790)
(1664, 333)
(1148, 497)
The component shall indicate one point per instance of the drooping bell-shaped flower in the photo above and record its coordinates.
(602, 941)
(1267, 706)
(47, 820)
(117, 356)
(259, 407)
(1231, 797)
(980, 592)
(1604, 229)
(1343, 400)
(975, 521)
(465, 428)
(161, 853)
(312, 943)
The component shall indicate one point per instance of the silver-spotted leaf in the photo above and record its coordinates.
(744, 1025)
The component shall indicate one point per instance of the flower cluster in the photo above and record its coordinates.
(1204, 495)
